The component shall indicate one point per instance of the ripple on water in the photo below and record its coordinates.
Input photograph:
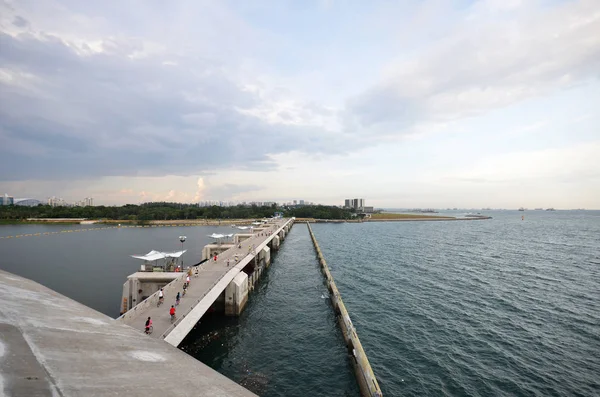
(473, 308)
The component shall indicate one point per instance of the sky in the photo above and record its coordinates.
(424, 103)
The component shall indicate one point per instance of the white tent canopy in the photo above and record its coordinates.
(217, 235)
(156, 255)
(243, 227)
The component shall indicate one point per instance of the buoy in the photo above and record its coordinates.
(522, 217)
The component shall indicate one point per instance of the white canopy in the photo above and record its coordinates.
(244, 227)
(216, 235)
(256, 223)
(156, 255)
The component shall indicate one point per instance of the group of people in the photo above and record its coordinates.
(186, 284)
(172, 310)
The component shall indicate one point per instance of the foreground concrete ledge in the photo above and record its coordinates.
(51, 345)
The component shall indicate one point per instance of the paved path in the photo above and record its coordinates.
(209, 275)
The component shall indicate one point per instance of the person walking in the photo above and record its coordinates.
(148, 325)
(187, 280)
(177, 299)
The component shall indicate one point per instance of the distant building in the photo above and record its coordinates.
(295, 202)
(27, 202)
(7, 200)
(358, 204)
(368, 210)
(301, 202)
(86, 202)
(56, 202)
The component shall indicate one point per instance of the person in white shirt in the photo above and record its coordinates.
(161, 296)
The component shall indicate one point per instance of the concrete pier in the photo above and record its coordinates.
(227, 278)
(51, 346)
(369, 387)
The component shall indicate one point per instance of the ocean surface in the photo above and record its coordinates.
(501, 307)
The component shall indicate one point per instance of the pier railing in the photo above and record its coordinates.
(364, 374)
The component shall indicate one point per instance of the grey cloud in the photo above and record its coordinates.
(20, 22)
(108, 115)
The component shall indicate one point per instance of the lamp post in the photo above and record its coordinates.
(182, 239)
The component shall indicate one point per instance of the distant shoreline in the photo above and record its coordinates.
(229, 222)
(399, 219)
(82, 221)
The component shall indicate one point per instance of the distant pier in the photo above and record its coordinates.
(217, 286)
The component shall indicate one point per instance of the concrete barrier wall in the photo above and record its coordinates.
(152, 299)
(210, 250)
(364, 374)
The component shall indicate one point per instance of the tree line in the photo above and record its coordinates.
(170, 211)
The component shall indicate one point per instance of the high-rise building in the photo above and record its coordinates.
(7, 200)
(360, 204)
(56, 202)
(301, 202)
(357, 204)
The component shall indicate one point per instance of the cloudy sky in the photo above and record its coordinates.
(424, 103)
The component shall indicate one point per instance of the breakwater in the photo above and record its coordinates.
(364, 374)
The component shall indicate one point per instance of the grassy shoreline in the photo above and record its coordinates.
(189, 222)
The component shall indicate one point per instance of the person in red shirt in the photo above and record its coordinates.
(172, 312)
(148, 325)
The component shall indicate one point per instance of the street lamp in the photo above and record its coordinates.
(182, 239)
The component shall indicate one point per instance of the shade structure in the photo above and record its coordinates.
(156, 255)
(217, 235)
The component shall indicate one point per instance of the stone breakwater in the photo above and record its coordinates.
(364, 374)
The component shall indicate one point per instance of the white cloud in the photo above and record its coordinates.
(496, 57)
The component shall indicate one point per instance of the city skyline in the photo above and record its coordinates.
(422, 104)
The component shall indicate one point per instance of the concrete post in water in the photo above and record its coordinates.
(266, 256)
(275, 242)
(236, 295)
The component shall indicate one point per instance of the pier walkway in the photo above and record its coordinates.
(203, 291)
